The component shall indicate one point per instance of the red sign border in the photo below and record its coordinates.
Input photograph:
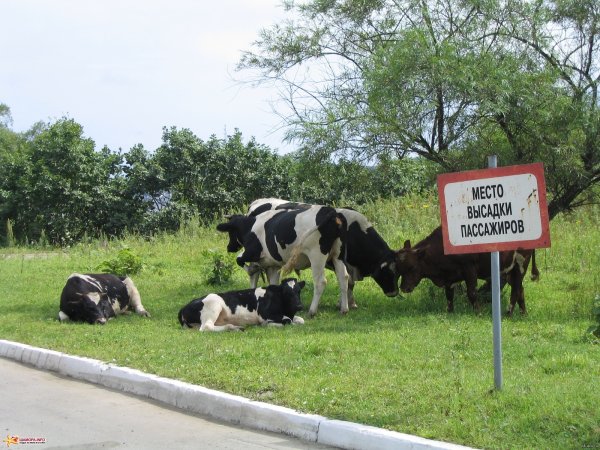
(537, 169)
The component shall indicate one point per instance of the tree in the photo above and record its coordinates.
(13, 166)
(60, 186)
(446, 80)
(5, 116)
(562, 125)
(209, 178)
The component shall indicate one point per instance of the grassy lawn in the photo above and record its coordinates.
(402, 363)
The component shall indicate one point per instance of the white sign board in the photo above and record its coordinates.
(494, 209)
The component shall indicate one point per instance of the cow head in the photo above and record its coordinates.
(386, 275)
(408, 265)
(237, 227)
(91, 310)
(290, 297)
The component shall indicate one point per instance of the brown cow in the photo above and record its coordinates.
(427, 260)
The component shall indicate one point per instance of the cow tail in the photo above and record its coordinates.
(535, 273)
(297, 250)
(291, 263)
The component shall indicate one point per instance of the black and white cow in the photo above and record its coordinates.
(266, 204)
(364, 251)
(289, 240)
(95, 298)
(273, 305)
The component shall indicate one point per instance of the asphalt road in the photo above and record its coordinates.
(62, 413)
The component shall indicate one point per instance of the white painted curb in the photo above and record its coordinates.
(218, 405)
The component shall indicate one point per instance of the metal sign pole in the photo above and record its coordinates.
(496, 312)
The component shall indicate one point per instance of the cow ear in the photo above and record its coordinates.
(300, 285)
(407, 244)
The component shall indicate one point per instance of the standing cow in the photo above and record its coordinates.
(231, 311)
(364, 251)
(427, 260)
(292, 240)
(95, 298)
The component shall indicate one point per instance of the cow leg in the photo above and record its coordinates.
(210, 314)
(273, 275)
(450, 298)
(210, 326)
(471, 282)
(134, 298)
(342, 275)
(351, 300)
(253, 271)
(517, 293)
(254, 279)
(521, 299)
(319, 282)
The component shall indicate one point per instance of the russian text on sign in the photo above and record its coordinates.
(490, 209)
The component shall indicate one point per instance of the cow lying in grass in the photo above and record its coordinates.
(273, 305)
(427, 260)
(95, 298)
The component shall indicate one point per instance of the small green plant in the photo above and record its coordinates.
(595, 328)
(221, 270)
(125, 263)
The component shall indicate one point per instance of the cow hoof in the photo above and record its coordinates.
(144, 314)
(343, 312)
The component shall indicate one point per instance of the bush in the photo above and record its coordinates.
(221, 270)
(125, 263)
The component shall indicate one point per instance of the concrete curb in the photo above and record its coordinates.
(218, 405)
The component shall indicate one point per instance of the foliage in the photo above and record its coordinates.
(57, 184)
(218, 175)
(58, 189)
(451, 81)
(401, 363)
(125, 263)
(221, 270)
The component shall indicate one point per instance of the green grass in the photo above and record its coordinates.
(402, 363)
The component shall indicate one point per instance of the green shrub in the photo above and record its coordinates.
(221, 270)
(125, 263)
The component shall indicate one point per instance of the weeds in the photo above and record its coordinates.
(125, 263)
(221, 270)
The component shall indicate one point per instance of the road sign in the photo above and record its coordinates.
(491, 210)
(494, 209)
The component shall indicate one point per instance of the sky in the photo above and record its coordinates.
(124, 69)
